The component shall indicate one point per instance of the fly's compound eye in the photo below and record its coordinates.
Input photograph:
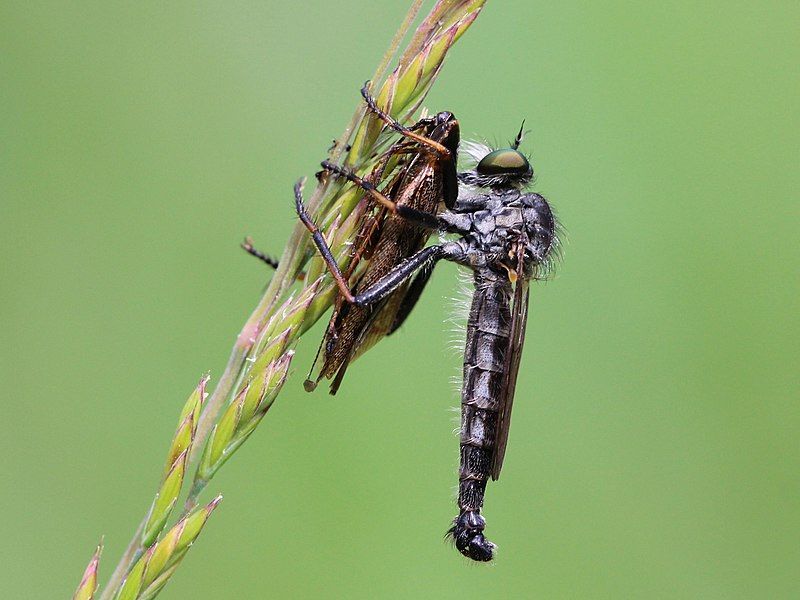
(504, 162)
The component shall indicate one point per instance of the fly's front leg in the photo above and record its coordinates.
(428, 143)
(427, 220)
(389, 282)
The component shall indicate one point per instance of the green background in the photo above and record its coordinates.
(654, 452)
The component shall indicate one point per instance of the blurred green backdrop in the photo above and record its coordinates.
(654, 452)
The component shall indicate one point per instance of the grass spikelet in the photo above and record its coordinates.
(175, 469)
(153, 569)
(88, 584)
(210, 431)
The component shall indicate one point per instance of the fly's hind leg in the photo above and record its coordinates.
(424, 259)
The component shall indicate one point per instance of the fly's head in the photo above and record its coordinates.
(498, 169)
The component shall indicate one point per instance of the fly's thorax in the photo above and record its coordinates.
(496, 225)
(540, 228)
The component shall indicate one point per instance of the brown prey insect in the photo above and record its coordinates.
(422, 184)
(424, 181)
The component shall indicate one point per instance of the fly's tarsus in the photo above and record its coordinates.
(426, 142)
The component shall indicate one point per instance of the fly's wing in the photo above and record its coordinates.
(519, 318)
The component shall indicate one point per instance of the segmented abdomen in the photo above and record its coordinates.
(487, 340)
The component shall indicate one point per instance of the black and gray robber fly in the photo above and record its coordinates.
(506, 236)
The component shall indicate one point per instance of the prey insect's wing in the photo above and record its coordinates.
(411, 297)
(356, 346)
(360, 328)
(516, 339)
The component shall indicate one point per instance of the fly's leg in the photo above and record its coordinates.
(389, 282)
(425, 259)
(446, 157)
(320, 243)
(427, 220)
(402, 129)
(399, 275)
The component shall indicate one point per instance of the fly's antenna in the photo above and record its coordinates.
(520, 135)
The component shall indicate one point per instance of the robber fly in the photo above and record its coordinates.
(505, 235)
(425, 179)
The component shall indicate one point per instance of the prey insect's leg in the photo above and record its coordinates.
(399, 128)
(248, 247)
(273, 263)
(424, 219)
(412, 296)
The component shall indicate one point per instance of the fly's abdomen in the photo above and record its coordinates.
(487, 340)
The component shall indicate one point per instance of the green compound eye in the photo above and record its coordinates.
(504, 162)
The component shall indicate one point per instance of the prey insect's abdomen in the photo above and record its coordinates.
(487, 339)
